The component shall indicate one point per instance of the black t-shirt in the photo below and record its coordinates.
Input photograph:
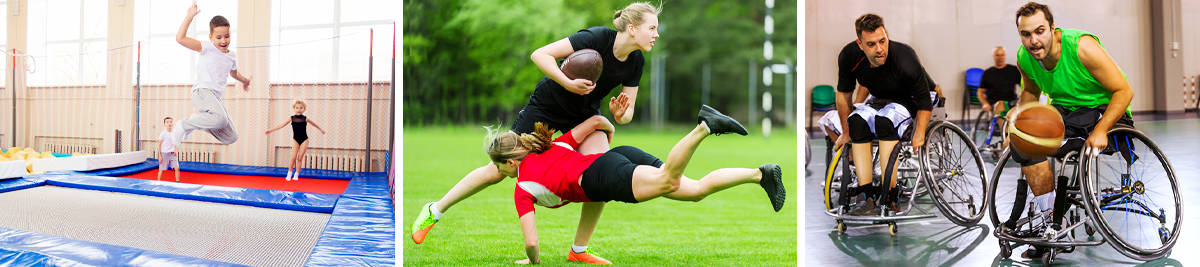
(999, 83)
(901, 78)
(556, 100)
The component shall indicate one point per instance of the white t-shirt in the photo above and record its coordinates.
(168, 141)
(213, 66)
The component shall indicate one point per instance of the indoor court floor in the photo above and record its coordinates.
(939, 242)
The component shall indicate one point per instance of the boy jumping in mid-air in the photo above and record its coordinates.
(214, 67)
(166, 149)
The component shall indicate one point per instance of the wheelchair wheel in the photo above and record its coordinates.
(838, 170)
(954, 174)
(979, 127)
(1008, 193)
(1132, 196)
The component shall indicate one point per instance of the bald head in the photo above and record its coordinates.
(998, 55)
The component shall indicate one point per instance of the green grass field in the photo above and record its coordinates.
(732, 227)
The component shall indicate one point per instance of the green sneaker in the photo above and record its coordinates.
(423, 224)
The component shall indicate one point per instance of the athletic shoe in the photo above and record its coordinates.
(424, 223)
(868, 208)
(718, 123)
(1034, 253)
(587, 257)
(772, 182)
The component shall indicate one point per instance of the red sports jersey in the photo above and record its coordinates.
(551, 178)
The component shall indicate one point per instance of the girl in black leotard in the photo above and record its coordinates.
(299, 138)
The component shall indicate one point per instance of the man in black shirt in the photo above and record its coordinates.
(998, 88)
(894, 76)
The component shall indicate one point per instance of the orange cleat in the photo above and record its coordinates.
(423, 224)
(587, 257)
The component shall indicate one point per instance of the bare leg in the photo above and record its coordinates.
(478, 179)
(295, 155)
(650, 182)
(589, 216)
(1038, 176)
(303, 148)
(885, 153)
(720, 179)
(159, 175)
(862, 162)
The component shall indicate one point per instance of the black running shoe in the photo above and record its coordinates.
(718, 123)
(772, 182)
(867, 208)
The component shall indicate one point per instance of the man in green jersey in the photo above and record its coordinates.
(1083, 83)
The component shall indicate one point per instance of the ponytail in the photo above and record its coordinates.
(501, 147)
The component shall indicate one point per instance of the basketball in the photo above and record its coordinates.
(1037, 130)
(583, 64)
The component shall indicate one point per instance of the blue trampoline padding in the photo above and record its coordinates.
(149, 164)
(61, 155)
(24, 248)
(218, 168)
(367, 186)
(360, 232)
(274, 199)
(18, 184)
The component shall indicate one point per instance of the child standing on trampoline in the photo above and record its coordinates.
(299, 138)
(213, 69)
(166, 149)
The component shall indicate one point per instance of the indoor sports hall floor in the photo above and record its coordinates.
(939, 242)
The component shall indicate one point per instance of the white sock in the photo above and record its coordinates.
(706, 130)
(1045, 201)
(437, 215)
(289, 176)
(296, 176)
(578, 249)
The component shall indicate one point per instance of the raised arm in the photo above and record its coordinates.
(529, 230)
(595, 123)
(181, 36)
(545, 56)
(314, 124)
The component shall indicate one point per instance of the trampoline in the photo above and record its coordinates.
(103, 218)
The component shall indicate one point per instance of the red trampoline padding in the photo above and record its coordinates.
(324, 186)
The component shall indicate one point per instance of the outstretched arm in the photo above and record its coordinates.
(281, 125)
(529, 230)
(181, 36)
(314, 124)
(585, 128)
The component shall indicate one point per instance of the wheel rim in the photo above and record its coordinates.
(954, 173)
(1136, 206)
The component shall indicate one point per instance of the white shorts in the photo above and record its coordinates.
(830, 121)
(895, 112)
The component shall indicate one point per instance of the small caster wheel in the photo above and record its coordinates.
(1088, 229)
(1048, 257)
(841, 227)
(971, 209)
(1005, 249)
(892, 228)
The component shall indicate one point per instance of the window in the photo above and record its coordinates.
(68, 45)
(329, 41)
(164, 61)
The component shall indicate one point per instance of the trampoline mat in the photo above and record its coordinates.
(215, 231)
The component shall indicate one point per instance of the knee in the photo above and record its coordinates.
(859, 130)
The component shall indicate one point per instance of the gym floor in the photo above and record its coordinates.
(939, 242)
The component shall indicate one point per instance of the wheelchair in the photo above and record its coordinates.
(1121, 193)
(987, 134)
(948, 171)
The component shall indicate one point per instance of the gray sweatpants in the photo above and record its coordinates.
(210, 116)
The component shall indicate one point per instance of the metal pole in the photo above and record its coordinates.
(137, 102)
(753, 92)
(705, 83)
(14, 98)
(370, 71)
(392, 106)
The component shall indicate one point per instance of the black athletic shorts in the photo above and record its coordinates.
(1079, 124)
(530, 114)
(610, 177)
